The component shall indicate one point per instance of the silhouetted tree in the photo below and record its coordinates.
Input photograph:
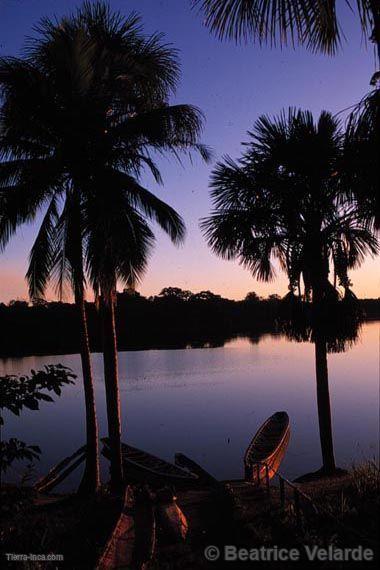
(205, 296)
(175, 293)
(286, 199)
(252, 297)
(81, 114)
(52, 329)
(274, 297)
(18, 304)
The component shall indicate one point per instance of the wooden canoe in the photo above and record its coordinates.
(267, 448)
(62, 470)
(132, 542)
(204, 477)
(144, 467)
(118, 552)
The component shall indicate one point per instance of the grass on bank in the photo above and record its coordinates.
(349, 516)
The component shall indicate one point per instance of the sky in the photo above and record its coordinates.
(233, 86)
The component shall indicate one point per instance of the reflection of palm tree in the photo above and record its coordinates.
(285, 199)
(323, 402)
(80, 114)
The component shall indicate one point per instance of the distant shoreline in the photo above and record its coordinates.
(192, 345)
(175, 321)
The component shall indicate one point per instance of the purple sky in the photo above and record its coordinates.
(233, 86)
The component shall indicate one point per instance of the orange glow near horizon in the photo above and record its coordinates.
(220, 277)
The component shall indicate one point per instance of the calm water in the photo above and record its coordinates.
(207, 403)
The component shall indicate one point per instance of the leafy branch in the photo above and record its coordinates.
(18, 392)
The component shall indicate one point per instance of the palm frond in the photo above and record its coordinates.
(43, 252)
(361, 156)
(25, 185)
(152, 207)
(61, 269)
(313, 23)
(117, 245)
(168, 127)
(145, 60)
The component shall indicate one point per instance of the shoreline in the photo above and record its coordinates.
(242, 515)
(189, 343)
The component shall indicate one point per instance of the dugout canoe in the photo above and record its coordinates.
(61, 471)
(131, 544)
(143, 467)
(267, 448)
(185, 462)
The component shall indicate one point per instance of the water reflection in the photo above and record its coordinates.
(208, 402)
(332, 325)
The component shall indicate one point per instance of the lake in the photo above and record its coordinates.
(208, 403)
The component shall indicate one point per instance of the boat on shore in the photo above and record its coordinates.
(61, 471)
(132, 542)
(143, 467)
(267, 448)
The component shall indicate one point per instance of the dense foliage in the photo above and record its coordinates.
(190, 319)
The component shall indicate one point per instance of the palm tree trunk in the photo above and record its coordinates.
(324, 409)
(91, 478)
(112, 390)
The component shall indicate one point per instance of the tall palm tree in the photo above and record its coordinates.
(285, 200)
(81, 114)
(119, 239)
(31, 178)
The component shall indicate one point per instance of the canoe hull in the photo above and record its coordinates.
(142, 467)
(267, 448)
(133, 540)
(119, 550)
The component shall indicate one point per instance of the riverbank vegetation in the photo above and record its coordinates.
(201, 319)
(348, 516)
(27, 392)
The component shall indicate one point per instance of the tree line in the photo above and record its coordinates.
(175, 318)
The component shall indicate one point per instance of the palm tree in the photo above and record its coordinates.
(285, 200)
(317, 25)
(82, 113)
(30, 177)
(314, 23)
(119, 239)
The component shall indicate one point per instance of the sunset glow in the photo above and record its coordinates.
(232, 86)
(188, 359)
